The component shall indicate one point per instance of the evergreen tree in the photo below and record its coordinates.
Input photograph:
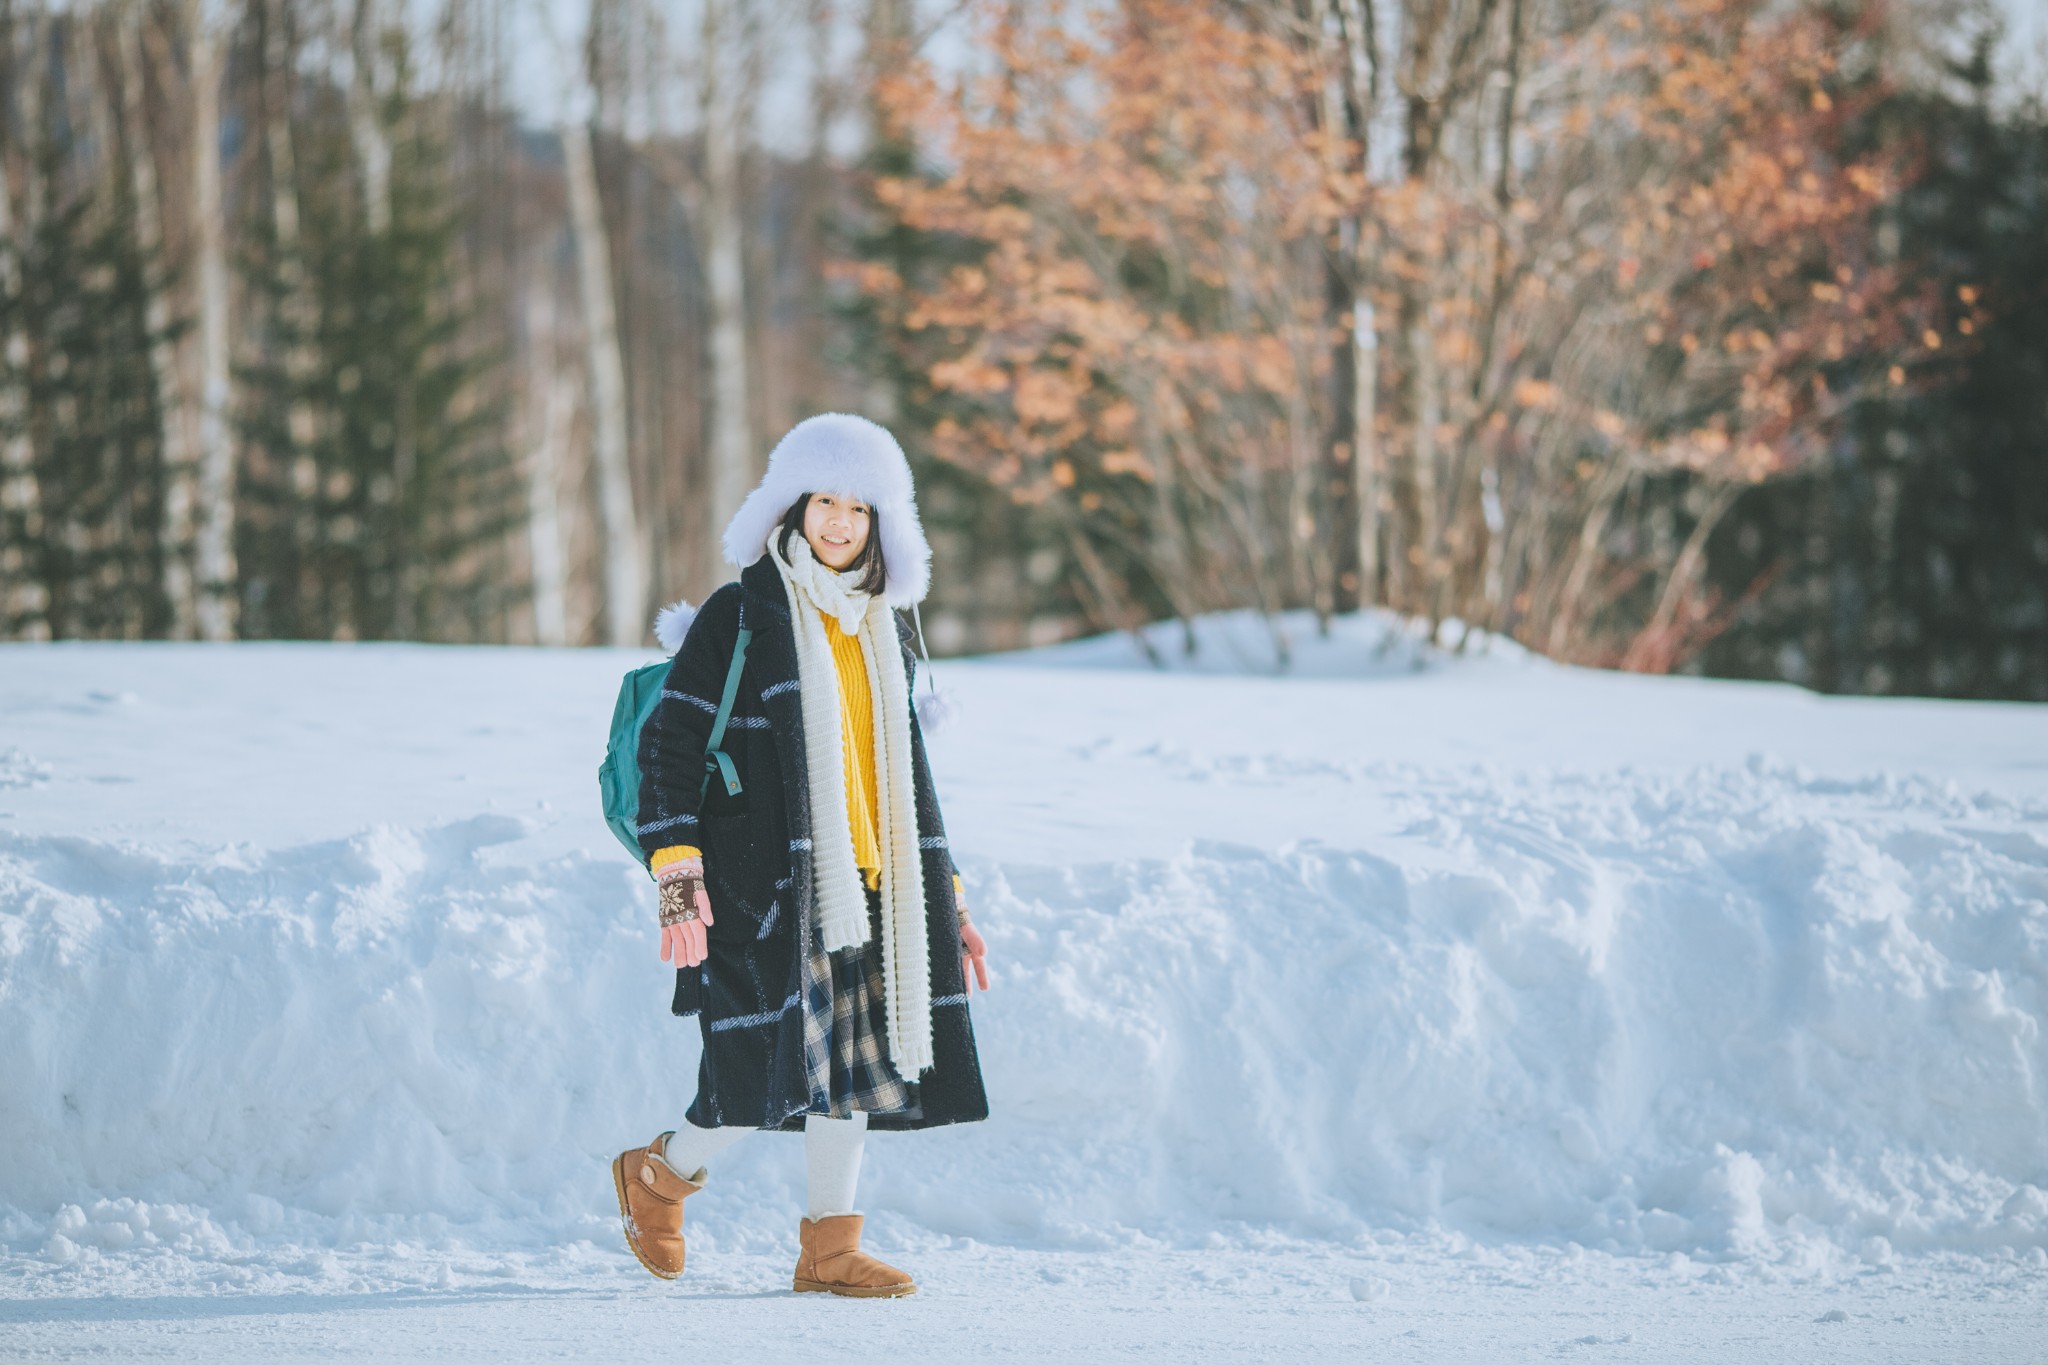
(1915, 559)
(1012, 562)
(410, 478)
(76, 295)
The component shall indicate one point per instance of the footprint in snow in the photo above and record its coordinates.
(18, 769)
(1369, 1289)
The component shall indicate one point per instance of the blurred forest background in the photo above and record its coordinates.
(1696, 335)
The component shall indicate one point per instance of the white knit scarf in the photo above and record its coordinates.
(835, 875)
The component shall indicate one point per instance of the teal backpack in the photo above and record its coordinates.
(618, 777)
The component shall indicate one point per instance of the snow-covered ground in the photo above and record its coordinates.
(1451, 1007)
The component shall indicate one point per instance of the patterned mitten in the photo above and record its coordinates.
(685, 910)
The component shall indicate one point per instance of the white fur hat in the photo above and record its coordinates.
(836, 452)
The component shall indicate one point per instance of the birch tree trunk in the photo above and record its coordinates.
(550, 405)
(625, 570)
(1335, 110)
(724, 122)
(1365, 451)
(366, 130)
(214, 558)
(817, 188)
(172, 413)
(1357, 25)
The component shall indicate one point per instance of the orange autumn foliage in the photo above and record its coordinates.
(1664, 261)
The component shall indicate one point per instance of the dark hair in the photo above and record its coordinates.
(870, 564)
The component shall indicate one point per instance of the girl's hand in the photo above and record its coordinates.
(973, 956)
(685, 910)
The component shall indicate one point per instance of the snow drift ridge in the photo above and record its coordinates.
(1721, 1013)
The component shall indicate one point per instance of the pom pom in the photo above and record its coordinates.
(672, 623)
(936, 708)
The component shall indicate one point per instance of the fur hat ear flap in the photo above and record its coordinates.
(672, 623)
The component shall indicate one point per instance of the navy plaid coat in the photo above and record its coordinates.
(757, 867)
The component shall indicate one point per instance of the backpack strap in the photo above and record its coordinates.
(715, 757)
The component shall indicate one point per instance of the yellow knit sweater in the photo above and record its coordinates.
(857, 742)
(857, 739)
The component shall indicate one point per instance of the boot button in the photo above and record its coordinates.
(647, 1174)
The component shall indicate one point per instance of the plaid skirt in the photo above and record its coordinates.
(846, 1028)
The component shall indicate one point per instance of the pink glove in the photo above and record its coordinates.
(973, 950)
(685, 910)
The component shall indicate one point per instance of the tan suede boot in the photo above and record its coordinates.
(651, 1196)
(831, 1262)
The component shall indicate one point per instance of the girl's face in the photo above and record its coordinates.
(837, 528)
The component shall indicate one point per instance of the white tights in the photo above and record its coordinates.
(832, 1150)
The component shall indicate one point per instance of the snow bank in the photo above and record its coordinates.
(1741, 1011)
(1373, 643)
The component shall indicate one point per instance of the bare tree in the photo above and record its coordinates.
(1350, 103)
(214, 558)
(625, 566)
(726, 119)
(372, 147)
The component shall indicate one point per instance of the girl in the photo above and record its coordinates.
(815, 917)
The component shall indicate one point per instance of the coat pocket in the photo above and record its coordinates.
(689, 990)
(732, 877)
